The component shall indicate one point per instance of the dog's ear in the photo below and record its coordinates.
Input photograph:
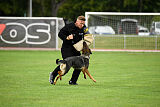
(84, 43)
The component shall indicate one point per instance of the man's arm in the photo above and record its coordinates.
(64, 34)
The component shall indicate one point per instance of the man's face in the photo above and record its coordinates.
(80, 23)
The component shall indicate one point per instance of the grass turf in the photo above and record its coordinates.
(124, 79)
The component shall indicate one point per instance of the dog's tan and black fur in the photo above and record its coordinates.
(77, 62)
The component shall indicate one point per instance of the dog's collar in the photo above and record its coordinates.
(86, 56)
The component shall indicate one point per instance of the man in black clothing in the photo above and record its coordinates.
(70, 34)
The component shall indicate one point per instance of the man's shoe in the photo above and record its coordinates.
(71, 83)
(51, 78)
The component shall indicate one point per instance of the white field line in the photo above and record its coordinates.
(53, 49)
(125, 50)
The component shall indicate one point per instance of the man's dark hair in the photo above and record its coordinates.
(81, 18)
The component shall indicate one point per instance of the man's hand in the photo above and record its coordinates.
(70, 37)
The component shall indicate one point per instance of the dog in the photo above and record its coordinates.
(77, 62)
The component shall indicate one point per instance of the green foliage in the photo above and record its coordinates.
(13, 7)
(20, 8)
(124, 79)
(73, 8)
(41, 8)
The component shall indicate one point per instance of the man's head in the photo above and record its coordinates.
(80, 22)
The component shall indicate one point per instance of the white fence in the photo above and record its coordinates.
(126, 42)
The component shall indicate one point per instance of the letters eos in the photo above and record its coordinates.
(34, 33)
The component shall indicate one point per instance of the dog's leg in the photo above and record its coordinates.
(86, 70)
(60, 76)
(56, 80)
(84, 73)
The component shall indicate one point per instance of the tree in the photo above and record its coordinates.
(70, 9)
(41, 8)
(140, 5)
(13, 7)
(55, 6)
(73, 8)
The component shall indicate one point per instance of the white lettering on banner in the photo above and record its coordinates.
(11, 35)
(45, 33)
(32, 34)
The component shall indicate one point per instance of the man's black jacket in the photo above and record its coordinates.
(67, 49)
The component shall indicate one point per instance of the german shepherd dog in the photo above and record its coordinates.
(77, 62)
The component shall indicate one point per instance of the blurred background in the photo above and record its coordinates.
(72, 8)
(115, 24)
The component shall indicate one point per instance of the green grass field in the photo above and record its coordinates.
(124, 79)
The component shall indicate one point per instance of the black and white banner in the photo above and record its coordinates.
(28, 32)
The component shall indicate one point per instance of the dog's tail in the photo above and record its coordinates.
(58, 62)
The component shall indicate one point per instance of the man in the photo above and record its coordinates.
(70, 35)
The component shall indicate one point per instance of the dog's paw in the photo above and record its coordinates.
(85, 77)
(60, 78)
(54, 83)
(94, 80)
